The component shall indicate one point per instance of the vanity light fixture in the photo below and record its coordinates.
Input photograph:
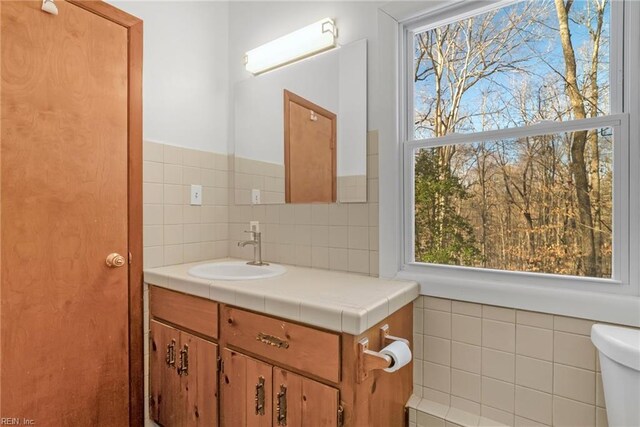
(300, 44)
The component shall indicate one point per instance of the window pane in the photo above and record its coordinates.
(521, 64)
(525, 204)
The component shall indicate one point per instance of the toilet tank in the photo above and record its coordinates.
(619, 350)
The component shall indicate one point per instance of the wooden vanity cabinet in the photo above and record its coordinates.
(306, 402)
(183, 360)
(319, 369)
(267, 369)
(257, 394)
(183, 385)
(164, 386)
(245, 391)
(201, 382)
(287, 343)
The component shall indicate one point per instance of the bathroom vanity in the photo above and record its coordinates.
(298, 349)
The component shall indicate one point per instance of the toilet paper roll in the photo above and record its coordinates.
(399, 352)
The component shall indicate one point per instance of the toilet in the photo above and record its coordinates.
(620, 364)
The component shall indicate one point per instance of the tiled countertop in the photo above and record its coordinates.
(337, 301)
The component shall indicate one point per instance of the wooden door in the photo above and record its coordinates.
(300, 401)
(70, 111)
(199, 383)
(165, 388)
(310, 151)
(246, 391)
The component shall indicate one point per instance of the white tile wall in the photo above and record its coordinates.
(174, 231)
(480, 365)
(340, 237)
(252, 174)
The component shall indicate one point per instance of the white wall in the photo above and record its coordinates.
(185, 72)
(252, 24)
(352, 110)
(259, 106)
(332, 80)
(194, 56)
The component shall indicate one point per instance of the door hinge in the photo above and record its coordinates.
(340, 416)
(130, 257)
(220, 365)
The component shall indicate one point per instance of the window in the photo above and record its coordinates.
(516, 145)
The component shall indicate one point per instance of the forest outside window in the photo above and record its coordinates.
(516, 148)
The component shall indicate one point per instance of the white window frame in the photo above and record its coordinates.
(614, 300)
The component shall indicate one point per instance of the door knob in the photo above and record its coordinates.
(115, 260)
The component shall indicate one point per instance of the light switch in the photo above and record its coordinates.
(255, 196)
(196, 195)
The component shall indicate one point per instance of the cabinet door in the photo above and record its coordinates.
(165, 405)
(300, 401)
(246, 391)
(198, 366)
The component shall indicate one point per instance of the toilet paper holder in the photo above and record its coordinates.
(369, 360)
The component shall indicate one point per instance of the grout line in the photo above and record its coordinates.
(553, 369)
(482, 357)
(515, 360)
(569, 366)
(577, 401)
(536, 390)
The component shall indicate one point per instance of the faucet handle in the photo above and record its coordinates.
(253, 233)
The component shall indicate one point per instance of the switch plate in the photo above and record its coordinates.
(196, 195)
(255, 196)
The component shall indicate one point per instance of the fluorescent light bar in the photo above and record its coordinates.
(300, 44)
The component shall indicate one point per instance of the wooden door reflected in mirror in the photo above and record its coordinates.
(309, 151)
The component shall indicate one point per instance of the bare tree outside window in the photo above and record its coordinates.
(537, 204)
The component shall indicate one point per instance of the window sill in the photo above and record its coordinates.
(598, 306)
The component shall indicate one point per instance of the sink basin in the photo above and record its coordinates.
(235, 270)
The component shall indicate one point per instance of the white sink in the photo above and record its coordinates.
(235, 270)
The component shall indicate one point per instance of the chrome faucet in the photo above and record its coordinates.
(256, 241)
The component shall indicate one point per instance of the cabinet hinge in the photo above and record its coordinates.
(220, 365)
(340, 416)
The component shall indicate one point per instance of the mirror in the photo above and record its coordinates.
(300, 131)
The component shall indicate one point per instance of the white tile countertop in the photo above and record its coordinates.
(337, 301)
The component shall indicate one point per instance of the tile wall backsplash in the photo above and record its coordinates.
(484, 365)
(174, 231)
(252, 174)
(340, 237)
(352, 188)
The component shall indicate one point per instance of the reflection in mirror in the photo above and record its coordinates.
(300, 131)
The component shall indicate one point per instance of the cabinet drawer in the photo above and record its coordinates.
(193, 313)
(300, 347)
